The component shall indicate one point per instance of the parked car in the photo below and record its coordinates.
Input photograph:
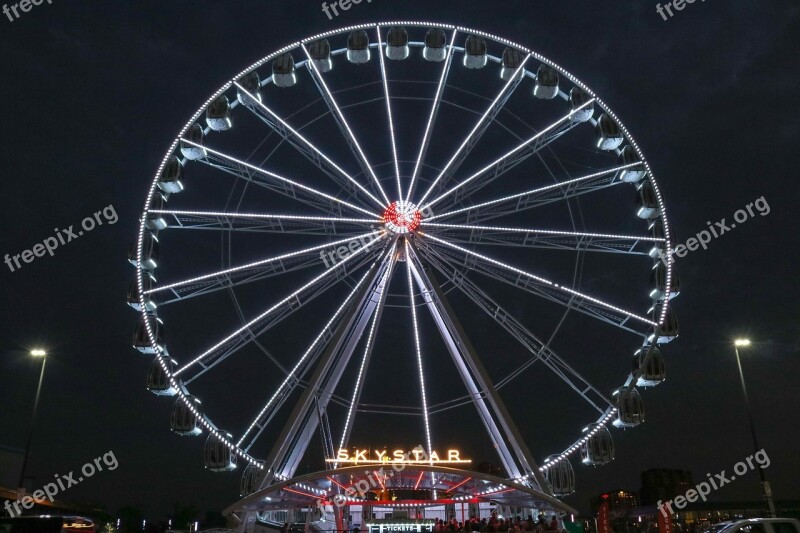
(763, 525)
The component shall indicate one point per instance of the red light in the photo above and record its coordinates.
(402, 217)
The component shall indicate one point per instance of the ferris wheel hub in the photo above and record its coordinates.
(402, 217)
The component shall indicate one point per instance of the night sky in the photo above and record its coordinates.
(95, 92)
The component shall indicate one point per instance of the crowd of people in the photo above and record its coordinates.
(500, 525)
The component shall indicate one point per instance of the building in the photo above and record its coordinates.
(619, 501)
(664, 484)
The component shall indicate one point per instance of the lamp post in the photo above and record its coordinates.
(35, 353)
(764, 483)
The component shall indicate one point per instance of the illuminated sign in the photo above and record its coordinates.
(415, 456)
(401, 528)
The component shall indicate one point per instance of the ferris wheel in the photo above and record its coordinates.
(404, 202)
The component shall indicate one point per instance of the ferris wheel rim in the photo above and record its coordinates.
(301, 44)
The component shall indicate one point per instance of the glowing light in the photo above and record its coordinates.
(480, 122)
(434, 108)
(338, 111)
(540, 279)
(38, 352)
(309, 144)
(402, 217)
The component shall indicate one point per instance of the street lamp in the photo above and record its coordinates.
(764, 483)
(37, 352)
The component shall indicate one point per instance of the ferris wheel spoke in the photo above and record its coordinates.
(306, 148)
(344, 126)
(362, 370)
(302, 366)
(279, 311)
(556, 192)
(263, 222)
(538, 285)
(275, 182)
(417, 348)
(539, 350)
(509, 160)
(476, 133)
(270, 266)
(437, 100)
(389, 111)
(543, 238)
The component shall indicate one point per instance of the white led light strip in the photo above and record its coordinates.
(542, 231)
(539, 279)
(319, 337)
(247, 326)
(258, 263)
(344, 122)
(300, 218)
(510, 81)
(534, 191)
(413, 305)
(368, 347)
(434, 108)
(389, 111)
(279, 178)
(309, 144)
(533, 139)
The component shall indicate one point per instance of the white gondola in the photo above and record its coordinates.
(435, 45)
(320, 52)
(158, 381)
(141, 340)
(630, 408)
(512, 60)
(155, 221)
(397, 43)
(283, 71)
(654, 372)
(218, 114)
(609, 136)
(658, 280)
(577, 98)
(194, 134)
(251, 84)
(217, 456)
(171, 181)
(134, 299)
(358, 47)
(251, 478)
(659, 250)
(150, 252)
(669, 330)
(475, 52)
(632, 174)
(185, 419)
(546, 86)
(561, 476)
(647, 201)
(599, 446)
